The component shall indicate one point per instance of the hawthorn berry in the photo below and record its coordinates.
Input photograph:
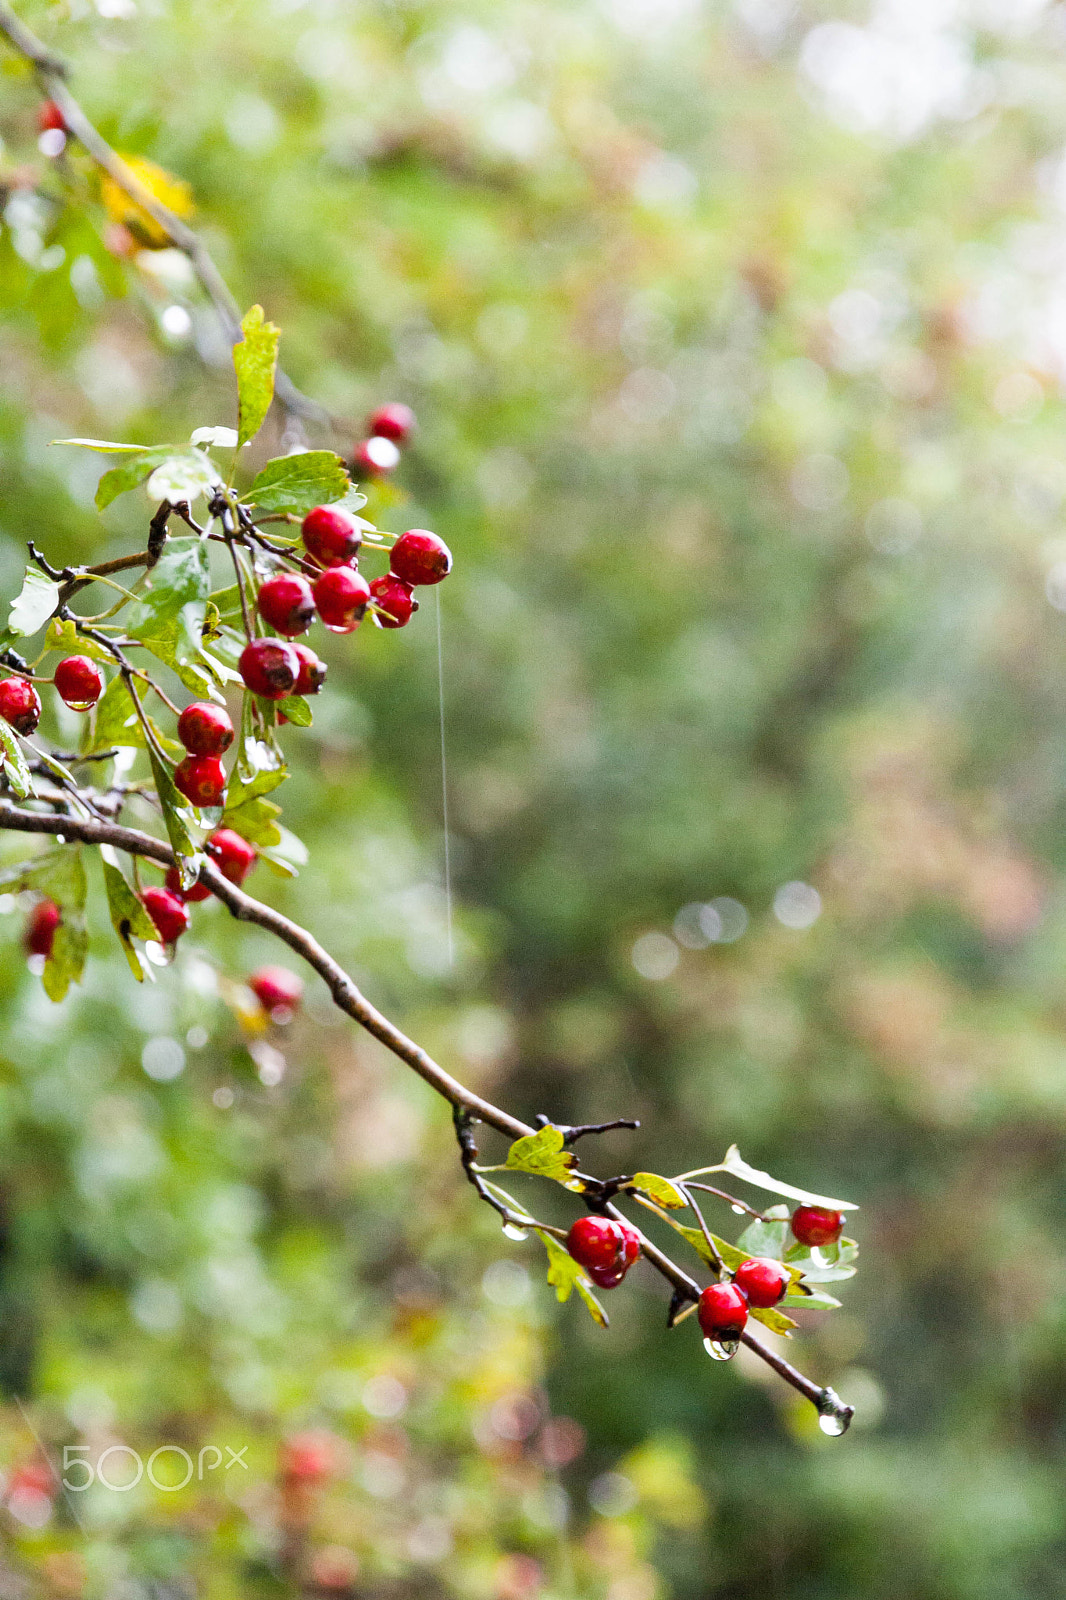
(50, 119)
(375, 456)
(762, 1281)
(395, 599)
(20, 704)
(312, 671)
(394, 421)
(418, 556)
(270, 668)
(310, 1457)
(79, 681)
(722, 1312)
(233, 856)
(167, 912)
(605, 1248)
(205, 729)
(195, 891)
(285, 602)
(201, 779)
(341, 595)
(331, 535)
(40, 931)
(277, 989)
(812, 1225)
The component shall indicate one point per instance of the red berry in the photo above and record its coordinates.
(196, 891)
(331, 535)
(79, 682)
(201, 779)
(269, 668)
(40, 931)
(418, 556)
(205, 729)
(233, 856)
(310, 1457)
(394, 421)
(375, 456)
(812, 1225)
(285, 602)
(20, 704)
(762, 1281)
(276, 989)
(167, 912)
(341, 595)
(605, 1248)
(395, 598)
(312, 671)
(49, 117)
(723, 1311)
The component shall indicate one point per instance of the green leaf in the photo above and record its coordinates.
(105, 447)
(128, 916)
(775, 1320)
(63, 635)
(255, 360)
(661, 1190)
(196, 673)
(735, 1164)
(300, 482)
(33, 605)
(66, 963)
(172, 611)
(115, 721)
(819, 1269)
(183, 477)
(61, 876)
(14, 762)
(544, 1155)
(287, 855)
(297, 711)
(770, 1237)
(172, 804)
(809, 1300)
(130, 474)
(254, 821)
(565, 1276)
(261, 781)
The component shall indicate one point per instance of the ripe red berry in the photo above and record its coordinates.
(285, 602)
(375, 456)
(40, 931)
(605, 1248)
(310, 1457)
(723, 1311)
(312, 671)
(812, 1225)
(50, 118)
(394, 421)
(201, 779)
(233, 856)
(79, 681)
(276, 989)
(269, 668)
(331, 535)
(762, 1281)
(167, 912)
(418, 556)
(341, 595)
(20, 704)
(205, 729)
(395, 598)
(196, 891)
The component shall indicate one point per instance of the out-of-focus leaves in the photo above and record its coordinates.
(60, 875)
(170, 191)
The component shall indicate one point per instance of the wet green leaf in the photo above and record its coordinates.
(255, 360)
(772, 1318)
(128, 916)
(14, 762)
(297, 711)
(172, 609)
(115, 721)
(63, 635)
(544, 1155)
(661, 1190)
(173, 809)
(297, 483)
(254, 820)
(33, 605)
(183, 477)
(565, 1276)
(61, 876)
(770, 1237)
(130, 474)
(811, 1300)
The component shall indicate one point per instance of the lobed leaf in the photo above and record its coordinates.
(255, 361)
(173, 609)
(544, 1155)
(63, 635)
(565, 1276)
(300, 482)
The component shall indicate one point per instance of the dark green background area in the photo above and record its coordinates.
(739, 404)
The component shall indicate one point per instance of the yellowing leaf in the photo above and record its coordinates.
(172, 192)
(661, 1190)
(544, 1155)
(773, 1319)
(565, 1276)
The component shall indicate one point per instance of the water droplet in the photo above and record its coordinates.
(513, 1231)
(833, 1415)
(819, 1259)
(738, 1211)
(721, 1349)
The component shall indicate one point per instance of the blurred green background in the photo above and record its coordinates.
(736, 333)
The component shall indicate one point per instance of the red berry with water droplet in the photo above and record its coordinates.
(762, 1280)
(394, 421)
(50, 119)
(233, 856)
(79, 681)
(40, 931)
(374, 457)
(269, 668)
(201, 779)
(331, 535)
(817, 1225)
(277, 989)
(341, 595)
(167, 912)
(312, 671)
(722, 1312)
(195, 892)
(20, 704)
(395, 600)
(605, 1248)
(286, 602)
(205, 729)
(418, 556)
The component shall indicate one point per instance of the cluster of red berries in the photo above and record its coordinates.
(759, 1281)
(390, 427)
(80, 684)
(605, 1248)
